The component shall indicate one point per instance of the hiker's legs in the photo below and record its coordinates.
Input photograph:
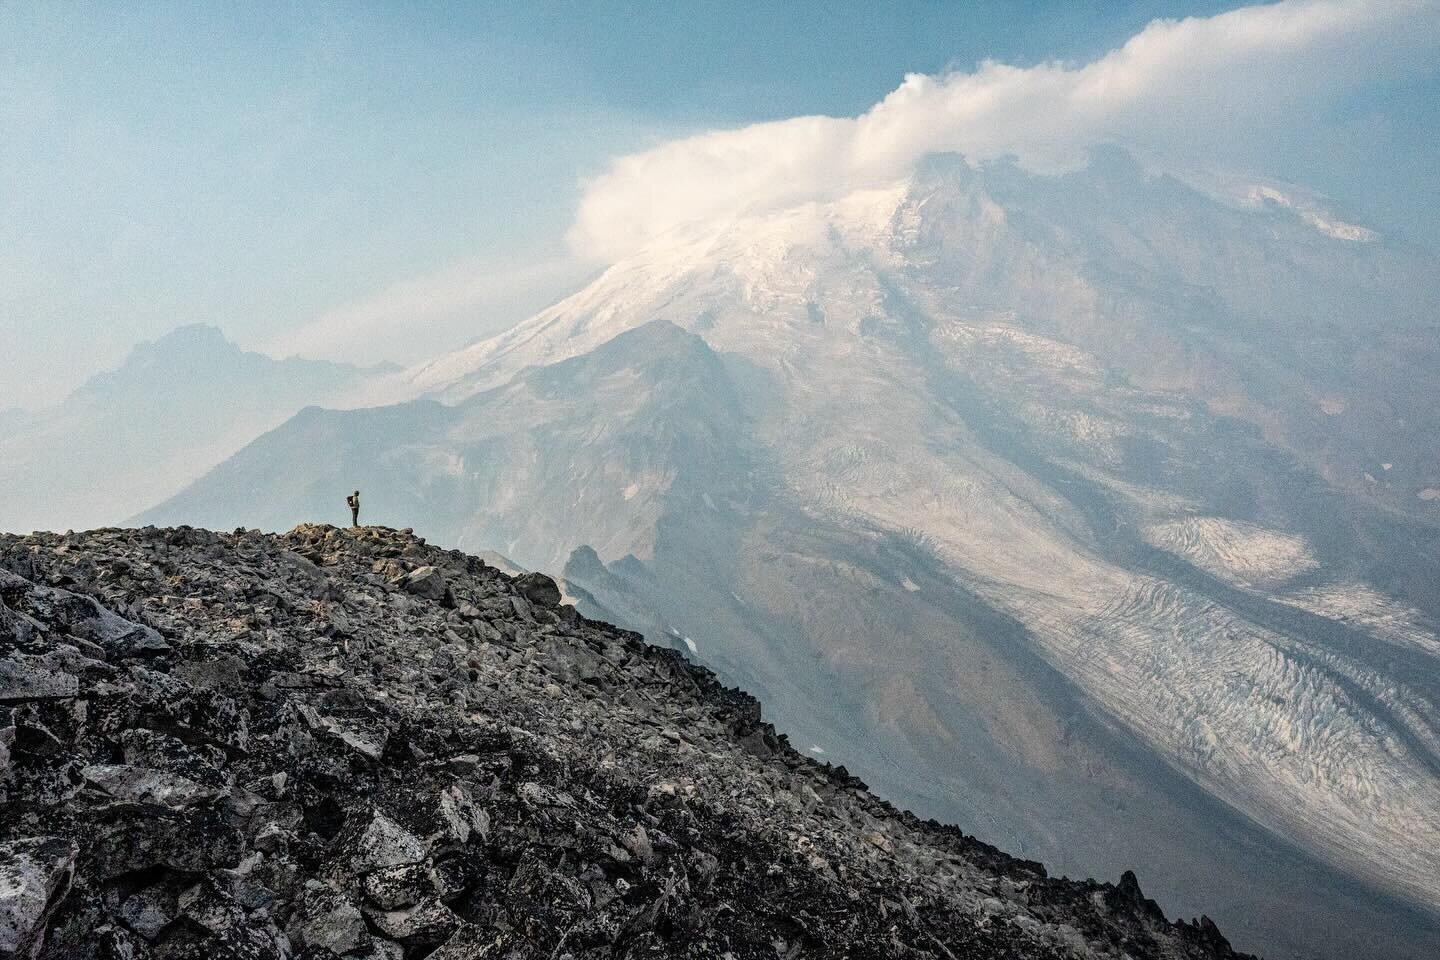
(354, 516)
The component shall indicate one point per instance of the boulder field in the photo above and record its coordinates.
(350, 743)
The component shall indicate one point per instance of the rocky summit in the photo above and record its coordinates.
(350, 743)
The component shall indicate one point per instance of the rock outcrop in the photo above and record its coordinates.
(348, 743)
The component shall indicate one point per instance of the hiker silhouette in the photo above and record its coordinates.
(353, 502)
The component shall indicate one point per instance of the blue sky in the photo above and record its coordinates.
(378, 181)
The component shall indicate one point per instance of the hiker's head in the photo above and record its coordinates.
(357, 493)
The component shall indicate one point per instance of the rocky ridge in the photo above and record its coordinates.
(351, 743)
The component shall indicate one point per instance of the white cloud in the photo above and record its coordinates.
(1177, 91)
(414, 317)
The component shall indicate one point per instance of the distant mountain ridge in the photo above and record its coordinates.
(191, 357)
(128, 437)
(1087, 512)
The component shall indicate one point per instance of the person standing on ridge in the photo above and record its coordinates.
(353, 502)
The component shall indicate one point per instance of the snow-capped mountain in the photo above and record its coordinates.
(1088, 512)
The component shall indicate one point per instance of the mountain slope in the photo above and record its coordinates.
(350, 743)
(601, 433)
(1042, 503)
(131, 436)
(1325, 344)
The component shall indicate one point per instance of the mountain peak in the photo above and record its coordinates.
(181, 353)
(192, 341)
(658, 350)
(194, 334)
(660, 339)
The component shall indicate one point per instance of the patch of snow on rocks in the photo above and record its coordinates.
(1369, 609)
(1242, 553)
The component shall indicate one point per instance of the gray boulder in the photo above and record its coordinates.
(538, 589)
(330, 921)
(426, 924)
(149, 911)
(35, 875)
(22, 681)
(387, 844)
(427, 582)
(145, 787)
(394, 888)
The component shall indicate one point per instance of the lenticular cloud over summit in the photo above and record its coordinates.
(1175, 88)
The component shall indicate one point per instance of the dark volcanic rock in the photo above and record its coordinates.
(348, 743)
(538, 589)
(426, 582)
(34, 878)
